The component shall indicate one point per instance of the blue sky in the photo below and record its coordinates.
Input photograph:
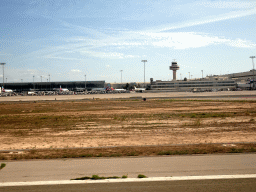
(68, 39)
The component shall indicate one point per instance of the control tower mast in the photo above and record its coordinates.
(174, 68)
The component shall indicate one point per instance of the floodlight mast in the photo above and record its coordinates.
(121, 76)
(144, 61)
(84, 83)
(50, 81)
(33, 81)
(3, 71)
(252, 57)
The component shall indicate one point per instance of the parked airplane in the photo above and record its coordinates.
(31, 93)
(139, 89)
(119, 90)
(7, 90)
(98, 90)
(63, 89)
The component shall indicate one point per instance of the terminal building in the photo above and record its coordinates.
(49, 86)
(192, 85)
(210, 83)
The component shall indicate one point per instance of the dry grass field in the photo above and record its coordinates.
(52, 129)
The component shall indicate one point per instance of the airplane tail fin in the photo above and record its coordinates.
(61, 88)
(3, 89)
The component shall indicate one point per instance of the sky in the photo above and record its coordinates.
(93, 40)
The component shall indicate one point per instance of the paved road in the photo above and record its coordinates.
(248, 185)
(187, 165)
(245, 95)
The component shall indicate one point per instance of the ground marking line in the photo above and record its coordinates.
(176, 178)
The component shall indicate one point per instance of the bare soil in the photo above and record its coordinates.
(118, 123)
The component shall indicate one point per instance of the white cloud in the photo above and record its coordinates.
(112, 55)
(130, 40)
(64, 58)
(109, 55)
(76, 71)
(241, 43)
(115, 45)
(206, 20)
(237, 4)
(185, 40)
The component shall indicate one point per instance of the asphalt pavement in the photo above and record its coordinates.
(164, 166)
(223, 185)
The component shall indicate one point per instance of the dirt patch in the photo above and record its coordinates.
(101, 123)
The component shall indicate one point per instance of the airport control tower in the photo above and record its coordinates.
(174, 67)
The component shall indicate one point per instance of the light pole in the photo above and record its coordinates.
(252, 57)
(3, 71)
(41, 83)
(121, 76)
(144, 61)
(50, 81)
(6, 79)
(21, 85)
(202, 74)
(33, 81)
(84, 82)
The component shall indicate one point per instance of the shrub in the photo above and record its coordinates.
(113, 177)
(165, 153)
(142, 176)
(82, 178)
(2, 165)
(197, 123)
(235, 150)
(252, 149)
(96, 177)
(133, 153)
